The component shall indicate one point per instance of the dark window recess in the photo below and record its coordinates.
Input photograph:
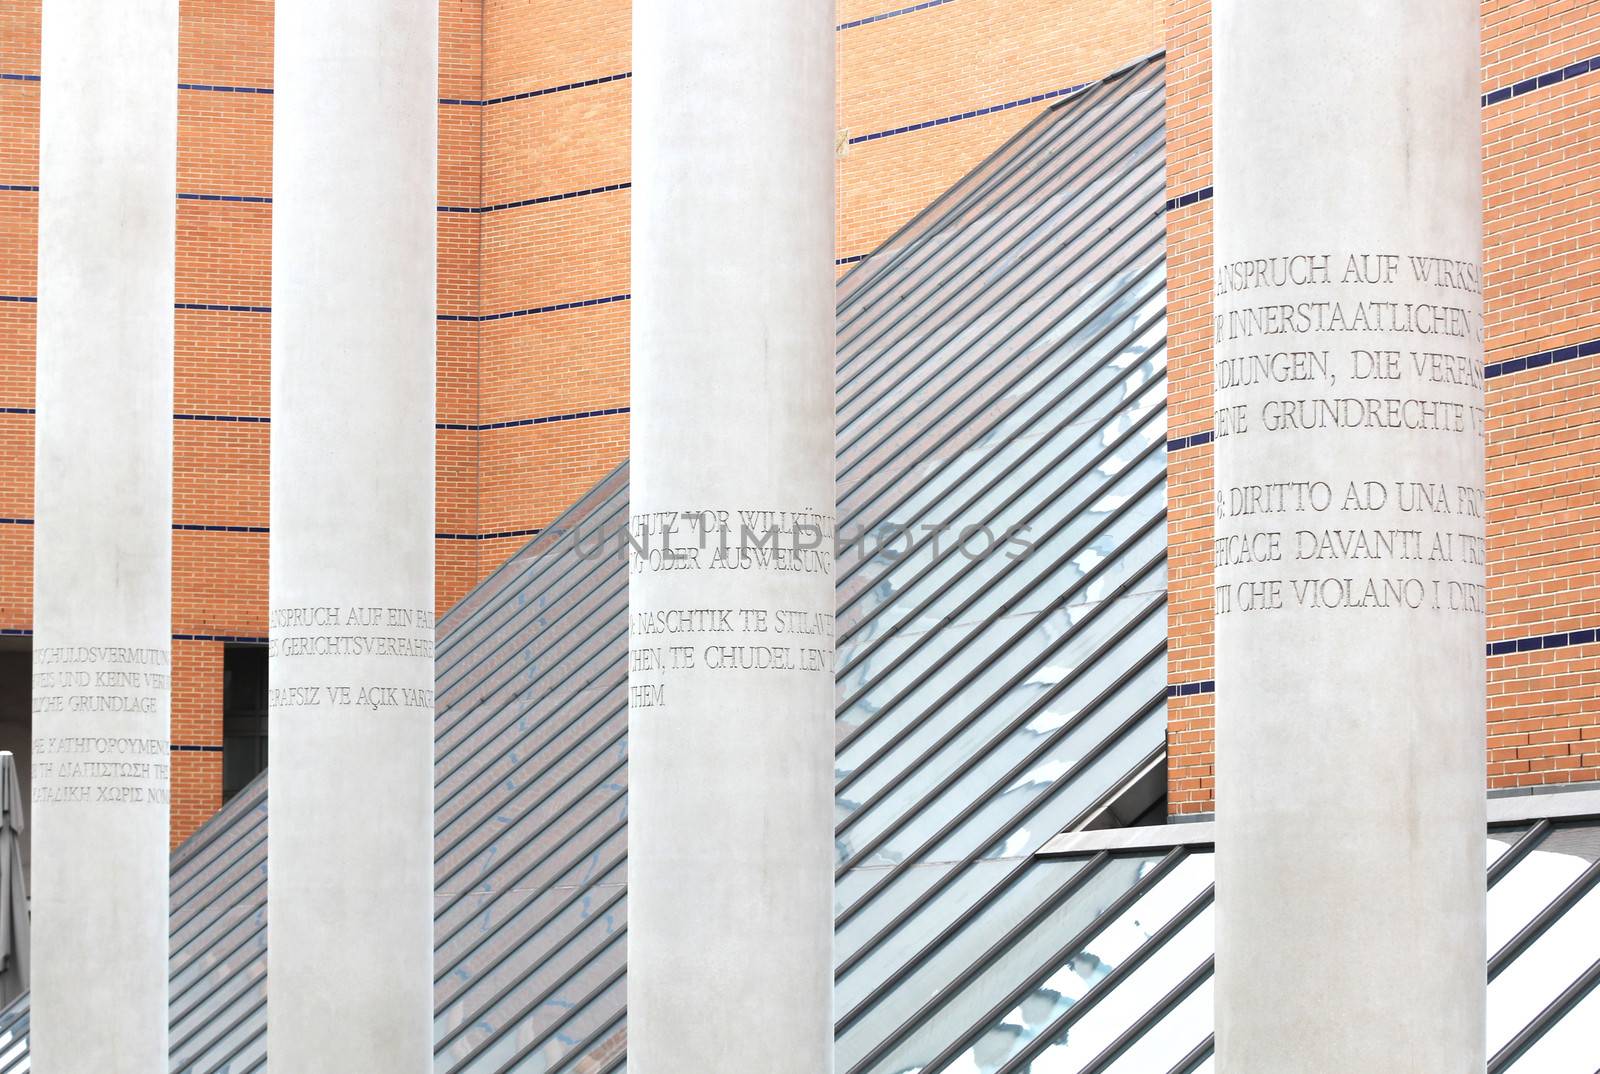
(244, 716)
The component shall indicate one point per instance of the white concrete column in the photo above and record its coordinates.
(1349, 525)
(731, 597)
(350, 856)
(108, 126)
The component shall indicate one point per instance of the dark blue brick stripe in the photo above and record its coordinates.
(18, 298)
(176, 748)
(236, 638)
(17, 410)
(246, 418)
(16, 632)
(16, 521)
(851, 260)
(540, 92)
(8, 77)
(223, 89)
(519, 422)
(1186, 689)
(486, 536)
(246, 198)
(1543, 641)
(576, 304)
(1543, 358)
(891, 14)
(541, 200)
(1183, 201)
(1192, 440)
(976, 112)
(220, 307)
(194, 527)
(1549, 78)
(19, 188)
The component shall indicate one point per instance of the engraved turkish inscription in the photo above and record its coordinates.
(83, 693)
(1341, 369)
(705, 546)
(381, 637)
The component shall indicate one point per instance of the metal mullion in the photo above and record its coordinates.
(510, 986)
(578, 892)
(240, 859)
(1019, 156)
(1075, 418)
(922, 641)
(1056, 175)
(972, 809)
(1577, 889)
(203, 1026)
(1164, 1006)
(611, 979)
(1003, 354)
(1517, 851)
(940, 999)
(580, 1051)
(1197, 1055)
(1038, 284)
(224, 892)
(217, 1038)
(977, 756)
(1049, 905)
(593, 579)
(970, 240)
(915, 232)
(221, 822)
(502, 577)
(1102, 988)
(558, 702)
(591, 847)
(605, 633)
(244, 900)
(1097, 609)
(1552, 1013)
(607, 773)
(578, 636)
(993, 421)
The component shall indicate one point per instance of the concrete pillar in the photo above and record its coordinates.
(1349, 537)
(350, 860)
(732, 593)
(102, 641)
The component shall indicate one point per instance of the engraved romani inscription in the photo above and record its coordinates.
(702, 547)
(1342, 369)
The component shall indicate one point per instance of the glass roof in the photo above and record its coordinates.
(1002, 633)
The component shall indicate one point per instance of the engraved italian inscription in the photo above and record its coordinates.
(1312, 350)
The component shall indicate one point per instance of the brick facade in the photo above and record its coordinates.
(1541, 85)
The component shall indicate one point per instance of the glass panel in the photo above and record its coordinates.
(1161, 1047)
(1549, 965)
(1538, 878)
(1571, 1046)
(1502, 839)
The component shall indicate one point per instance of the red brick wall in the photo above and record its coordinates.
(1542, 274)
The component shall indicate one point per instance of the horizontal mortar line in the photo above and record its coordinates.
(1543, 358)
(1183, 201)
(208, 527)
(209, 88)
(243, 639)
(250, 199)
(519, 422)
(1188, 689)
(575, 304)
(248, 418)
(892, 14)
(486, 536)
(1559, 640)
(220, 307)
(542, 199)
(564, 87)
(973, 114)
(1549, 78)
